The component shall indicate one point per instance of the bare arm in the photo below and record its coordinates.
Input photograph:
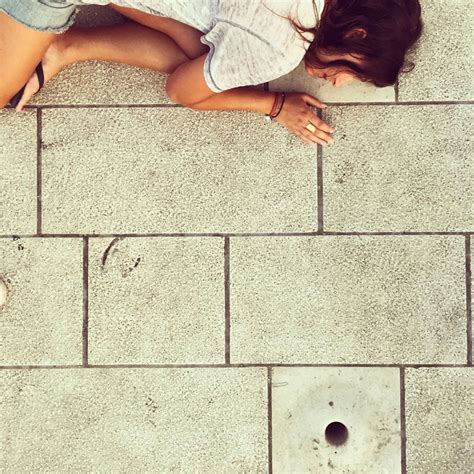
(186, 86)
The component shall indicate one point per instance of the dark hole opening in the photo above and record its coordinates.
(336, 433)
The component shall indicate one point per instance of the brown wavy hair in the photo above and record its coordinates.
(393, 28)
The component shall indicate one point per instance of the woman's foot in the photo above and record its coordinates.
(53, 62)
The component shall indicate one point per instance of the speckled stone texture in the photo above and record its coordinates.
(187, 291)
(41, 322)
(166, 170)
(156, 300)
(444, 59)
(17, 172)
(134, 420)
(399, 168)
(439, 419)
(348, 300)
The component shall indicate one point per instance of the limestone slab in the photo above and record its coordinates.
(174, 170)
(41, 321)
(444, 58)
(135, 420)
(336, 419)
(439, 419)
(299, 80)
(17, 172)
(348, 299)
(157, 300)
(399, 168)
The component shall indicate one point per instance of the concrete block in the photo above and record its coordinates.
(439, 419)
(156, 301)
(166, 170)
(336, 419)
(348, 299)
(18, 172)
(135, 420)
(444, 59)
(299, 80)
(41, 320)
(399, 168)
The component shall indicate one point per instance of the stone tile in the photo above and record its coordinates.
(444, 59)
(41, 322)
(18, 172)
(157, 300)
(348, 299)
(135, 420)
(166, 170)
(299, 80)
(439, 419)
(100, 82)
(399, 168)
(336, 419)
(97, 15)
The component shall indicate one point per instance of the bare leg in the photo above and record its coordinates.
(185, 36)
(128, 43)
(21, 49)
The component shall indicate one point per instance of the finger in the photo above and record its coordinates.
(321, 124)
(313, 101)
(320, 134)
(312, 137)
(305, 139)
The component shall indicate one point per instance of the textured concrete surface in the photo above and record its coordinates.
(348, 300)
(299, 81)
(414, 169)
(18, 172)
(444, 60)
(165, 170)
(134, 420)
(156, 300)
(41, 321)
(306, 403)
(216, 350)
(439, 419)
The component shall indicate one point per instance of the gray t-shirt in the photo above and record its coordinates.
(249, 43)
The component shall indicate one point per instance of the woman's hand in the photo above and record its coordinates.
(296, 114)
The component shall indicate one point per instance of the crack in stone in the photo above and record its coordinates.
(107, 250)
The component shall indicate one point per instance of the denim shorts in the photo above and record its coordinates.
(54, 16)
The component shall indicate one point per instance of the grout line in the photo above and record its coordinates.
(85, 303)
(469, 299)
(224, 366)
(403, 433)
(227, 299)
(235, 234)
(103, 106)
(163, 105)
(270, 427)
(320, 184)
(39, 166)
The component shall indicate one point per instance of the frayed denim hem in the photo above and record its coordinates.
(47, 29)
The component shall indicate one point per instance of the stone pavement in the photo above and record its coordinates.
(192, 291)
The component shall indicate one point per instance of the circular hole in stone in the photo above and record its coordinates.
(336, 433)
(3, 291)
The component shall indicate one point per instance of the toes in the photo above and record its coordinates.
(31, 88)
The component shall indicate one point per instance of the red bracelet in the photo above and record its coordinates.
(277, 105)
(283, 95)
